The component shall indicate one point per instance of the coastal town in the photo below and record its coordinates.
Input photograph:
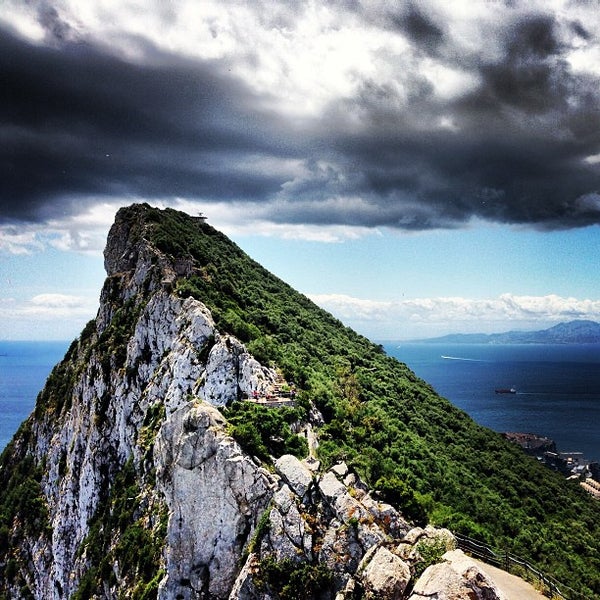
(573, 465)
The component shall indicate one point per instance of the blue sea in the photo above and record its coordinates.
(24, 367)
(558, 387)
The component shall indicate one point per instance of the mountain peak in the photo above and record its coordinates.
(215, 434)
(124, 237)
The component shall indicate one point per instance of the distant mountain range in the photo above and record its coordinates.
(573, 332)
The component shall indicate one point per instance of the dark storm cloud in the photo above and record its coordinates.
(78, 124)
(531, 77)
(54, 26)
(514, 149)
(420, 28)
(580, 30)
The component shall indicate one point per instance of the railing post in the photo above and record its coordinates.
(504, 559)
(543, 582)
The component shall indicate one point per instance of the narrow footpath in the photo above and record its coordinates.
(513, 587)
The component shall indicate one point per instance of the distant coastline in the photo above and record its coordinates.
(572, 332)
(557, 386)
(573, 465)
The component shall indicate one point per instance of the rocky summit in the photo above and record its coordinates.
(141, 473)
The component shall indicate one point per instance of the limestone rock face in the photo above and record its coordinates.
(458, 578)
(297, 475)
(232, 373)
(385, 576)
(214, 494)
(164, 365)
(316, 520)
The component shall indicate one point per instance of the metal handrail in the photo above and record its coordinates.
(505, 560)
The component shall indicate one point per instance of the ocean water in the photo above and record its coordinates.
(558, 387)
(24, 367)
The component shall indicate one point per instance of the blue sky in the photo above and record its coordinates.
(416, 168)
(387, 285)
(479, 263)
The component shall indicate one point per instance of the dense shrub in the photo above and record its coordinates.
(290, 580)
(264, 432)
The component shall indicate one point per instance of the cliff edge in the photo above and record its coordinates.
(140, 475)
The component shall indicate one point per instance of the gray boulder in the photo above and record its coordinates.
(386, 576)
(457, 578)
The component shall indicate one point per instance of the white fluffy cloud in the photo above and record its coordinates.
(48, 307)
(79, 232)
(424, 317)
(21, 240)
(45, 316)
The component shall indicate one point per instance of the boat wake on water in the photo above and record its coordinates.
(463, 358)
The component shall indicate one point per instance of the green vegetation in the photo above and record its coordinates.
(262, 527)
(264, 432)
(112, 344)
(21, 498)
(120, 535)
(56, 396)
(290, 580)
(21, 502)
(426, 455)
(431, 551)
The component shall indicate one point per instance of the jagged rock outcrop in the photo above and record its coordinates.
(457, 578)
(385, 575)
(214, 494)
(149, 353)
(137, 489)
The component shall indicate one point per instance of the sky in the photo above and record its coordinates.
(416, 168)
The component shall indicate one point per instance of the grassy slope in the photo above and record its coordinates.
(414, 445)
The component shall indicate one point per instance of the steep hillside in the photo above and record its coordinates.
(125, 481)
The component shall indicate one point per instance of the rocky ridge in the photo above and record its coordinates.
(139, 490)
